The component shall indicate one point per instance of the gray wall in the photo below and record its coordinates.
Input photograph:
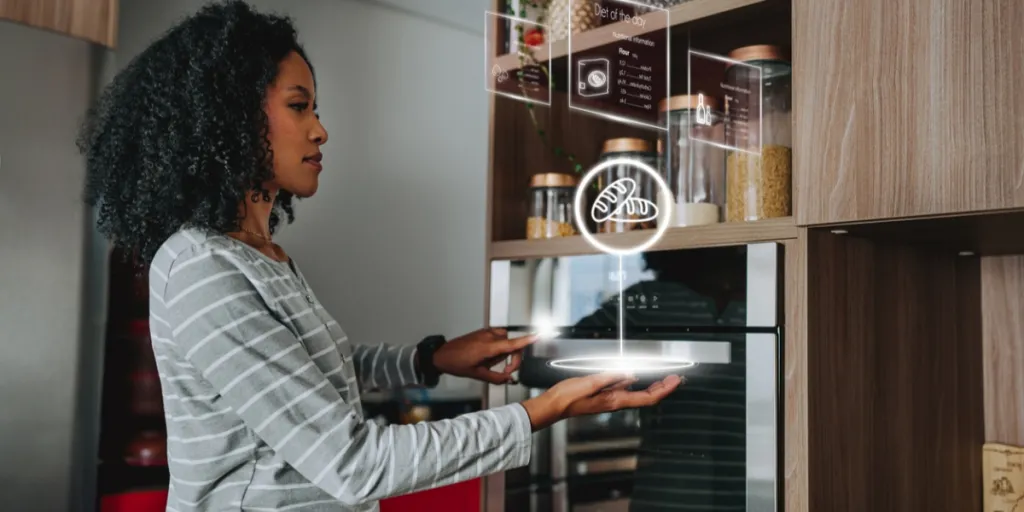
(48, 82)
(394, 239)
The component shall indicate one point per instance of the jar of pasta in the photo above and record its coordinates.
(551, 204)
(759, 168)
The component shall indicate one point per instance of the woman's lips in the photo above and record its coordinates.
(314, 162)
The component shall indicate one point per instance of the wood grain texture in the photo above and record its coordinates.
(895, 419)
(905, 108)
(92, 20)
(1002, 306)
(795, 433)
(712, 235)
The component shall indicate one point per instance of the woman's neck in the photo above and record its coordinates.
(254, 227)
(255, 211)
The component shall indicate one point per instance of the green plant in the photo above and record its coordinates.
(527, 58)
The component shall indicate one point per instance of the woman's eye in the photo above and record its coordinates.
(299, 107)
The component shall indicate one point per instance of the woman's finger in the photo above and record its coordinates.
(616, 399)
(514, 362)
(598, 381)
(620, 385)
(492, 377)
(512, 345)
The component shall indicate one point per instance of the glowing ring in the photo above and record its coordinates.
(633, 364)
(581, 198)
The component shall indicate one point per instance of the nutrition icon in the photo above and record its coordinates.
(500, 74)
(593, 77)
(703, 111)
(618, 203)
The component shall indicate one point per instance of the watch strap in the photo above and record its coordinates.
(425, 355)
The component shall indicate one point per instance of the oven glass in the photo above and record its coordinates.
(710, 446)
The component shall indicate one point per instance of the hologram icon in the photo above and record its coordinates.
(593, 77)
(703, 111)
(618, 203)
(499, 74)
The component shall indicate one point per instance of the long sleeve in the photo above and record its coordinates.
(223, 326)
(385, 366)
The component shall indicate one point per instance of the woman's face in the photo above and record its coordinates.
(295, 131)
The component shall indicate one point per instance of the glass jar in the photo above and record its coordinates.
(646, 187)
(760, 186)
(693, 169)
(551, 201)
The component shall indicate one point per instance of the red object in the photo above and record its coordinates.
(460, 497)
(533, 37)
(147, 501)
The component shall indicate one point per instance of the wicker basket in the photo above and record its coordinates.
(558, 18)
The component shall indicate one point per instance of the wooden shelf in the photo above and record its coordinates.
(731, 233)
(691, 11)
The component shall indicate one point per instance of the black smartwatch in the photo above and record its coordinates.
(425, 356)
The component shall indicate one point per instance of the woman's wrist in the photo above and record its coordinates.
(543, 411)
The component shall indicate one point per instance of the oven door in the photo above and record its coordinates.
(713, 444)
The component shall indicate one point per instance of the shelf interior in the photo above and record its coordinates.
(704, 15)
(518, 151)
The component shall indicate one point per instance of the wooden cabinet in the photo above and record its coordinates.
(92, 20)
(906, 108)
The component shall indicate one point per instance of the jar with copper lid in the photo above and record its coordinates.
(694, 160)
(759, 168)
(639, 150)
(551, 201)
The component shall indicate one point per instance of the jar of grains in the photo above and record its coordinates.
(760, 186)
(633, 149)
(551, 202)
(693, 169)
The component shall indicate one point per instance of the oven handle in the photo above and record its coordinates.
(602, 466)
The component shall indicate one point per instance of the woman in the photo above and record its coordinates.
(195, 153)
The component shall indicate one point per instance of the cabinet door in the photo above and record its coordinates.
(92, 20)
(907, 107)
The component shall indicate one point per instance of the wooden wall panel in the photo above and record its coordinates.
(1002, 306)
(795, 422)
(894, 377)
(906, 107)
(92, 20)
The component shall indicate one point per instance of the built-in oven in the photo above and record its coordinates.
(711, 315)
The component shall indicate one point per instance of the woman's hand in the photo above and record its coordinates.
(603, 392)
(474, 354)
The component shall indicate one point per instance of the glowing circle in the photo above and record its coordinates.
(624, 363)
(581, 198)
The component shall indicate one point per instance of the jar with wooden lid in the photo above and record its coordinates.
(635, 149)
(551, 206)
(694, 166)
(760, 186)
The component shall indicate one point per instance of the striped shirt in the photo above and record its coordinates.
(261, 394)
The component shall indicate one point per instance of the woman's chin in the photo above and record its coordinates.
(305, 190)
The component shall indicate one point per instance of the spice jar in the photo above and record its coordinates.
(635, 149)
(551, 201)
(694, 169)
(760, 186)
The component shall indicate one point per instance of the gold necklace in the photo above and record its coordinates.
(265, 237)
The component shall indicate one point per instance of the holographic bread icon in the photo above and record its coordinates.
(620, 197)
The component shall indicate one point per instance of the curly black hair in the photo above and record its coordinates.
(179, 137)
